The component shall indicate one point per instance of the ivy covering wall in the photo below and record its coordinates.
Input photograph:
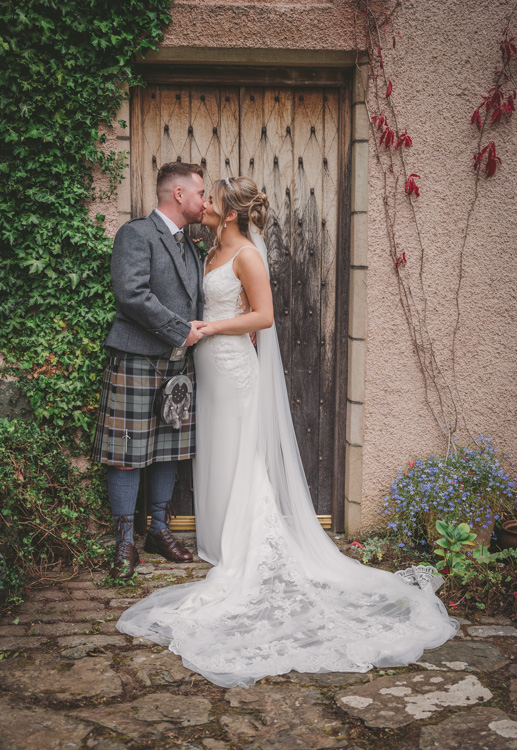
(63, 67)
(63, 63)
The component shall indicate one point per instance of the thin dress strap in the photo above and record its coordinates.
(252, 247)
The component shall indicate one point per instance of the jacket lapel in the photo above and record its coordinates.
(174, 251)
(199, 265)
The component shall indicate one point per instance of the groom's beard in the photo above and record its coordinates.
(191, 216)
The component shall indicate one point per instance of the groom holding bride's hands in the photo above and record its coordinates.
(280, 596)
(157, 280)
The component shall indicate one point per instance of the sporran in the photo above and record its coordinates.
(173, 397)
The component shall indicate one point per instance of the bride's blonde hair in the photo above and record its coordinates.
(239, 194)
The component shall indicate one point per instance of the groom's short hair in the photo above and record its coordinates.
(170, 172)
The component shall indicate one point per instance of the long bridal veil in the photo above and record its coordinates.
(282, 595)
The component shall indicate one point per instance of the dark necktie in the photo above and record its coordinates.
(180, 239)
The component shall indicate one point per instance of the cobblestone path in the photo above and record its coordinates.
(70, 681)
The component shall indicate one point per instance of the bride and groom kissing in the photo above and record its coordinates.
(280, 596)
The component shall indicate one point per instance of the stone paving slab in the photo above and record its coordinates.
(479, 729)
(48, 677)
(289, 717)
(333, 679)
(34, 728)
(93, 575)
(97, 593)
(125, 603)
(109, 627)
(149, 716)
(50, 594)
(59, 628)
(91, 639)
(492, 631)
(21, 642)
(157, 669)
(394, 702)
(11, 630)
(467, 655)
(495, 620)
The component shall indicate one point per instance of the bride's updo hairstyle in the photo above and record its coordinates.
(239, 194)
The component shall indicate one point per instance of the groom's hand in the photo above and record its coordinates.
(196, 332)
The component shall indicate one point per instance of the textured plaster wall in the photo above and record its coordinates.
(440, 68)
(269, 24)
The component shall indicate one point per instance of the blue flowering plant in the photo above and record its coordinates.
(470, 485)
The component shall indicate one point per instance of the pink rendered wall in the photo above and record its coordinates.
(442, 64)
(267, 24)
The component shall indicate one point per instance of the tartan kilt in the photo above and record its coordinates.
(128, 434)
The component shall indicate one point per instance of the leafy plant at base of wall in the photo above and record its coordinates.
(490, 577)
(469, 485)
(51, 512)
(373, 548)
(477, 575)
(450, 546)
(63, 67)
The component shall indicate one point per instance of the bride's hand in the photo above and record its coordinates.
(210, 329)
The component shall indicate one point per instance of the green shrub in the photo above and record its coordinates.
(51, 513)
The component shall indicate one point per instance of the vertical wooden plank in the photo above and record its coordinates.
(308, 151)
(229, 159)
(204, 141)
(329, 229)
(341, 328)
(151, 151)
(252, 135)
(278, 181)
(204, 136)
(137, 135)
(174, 122)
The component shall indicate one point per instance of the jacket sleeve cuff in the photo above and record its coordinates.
(175, 332)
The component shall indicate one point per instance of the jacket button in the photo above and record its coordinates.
(168, 328)
(177, 322)
(157, 333)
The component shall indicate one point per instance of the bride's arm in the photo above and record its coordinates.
(249, 268)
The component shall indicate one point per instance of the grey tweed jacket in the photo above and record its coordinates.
(156, 291)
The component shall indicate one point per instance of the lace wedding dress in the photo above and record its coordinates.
(281, 596)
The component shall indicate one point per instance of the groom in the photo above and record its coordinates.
(157, 281)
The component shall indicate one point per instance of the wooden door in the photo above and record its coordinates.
(289, 139)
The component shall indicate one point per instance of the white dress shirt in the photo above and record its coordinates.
(172, 226)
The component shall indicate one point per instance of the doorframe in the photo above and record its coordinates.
(263, 67)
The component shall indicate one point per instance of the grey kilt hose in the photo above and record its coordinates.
(128, 433)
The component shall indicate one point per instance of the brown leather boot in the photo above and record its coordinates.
(126, 557)
(163, 543)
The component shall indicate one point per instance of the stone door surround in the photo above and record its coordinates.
(357, 319)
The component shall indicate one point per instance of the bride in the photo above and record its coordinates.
(280, 596)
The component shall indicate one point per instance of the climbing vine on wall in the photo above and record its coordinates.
(401, 181)
(63, 67)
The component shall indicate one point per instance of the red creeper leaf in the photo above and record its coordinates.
(403, 140)
(411, 186)
(476, 118)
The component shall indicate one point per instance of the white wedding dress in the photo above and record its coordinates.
(281, 595)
